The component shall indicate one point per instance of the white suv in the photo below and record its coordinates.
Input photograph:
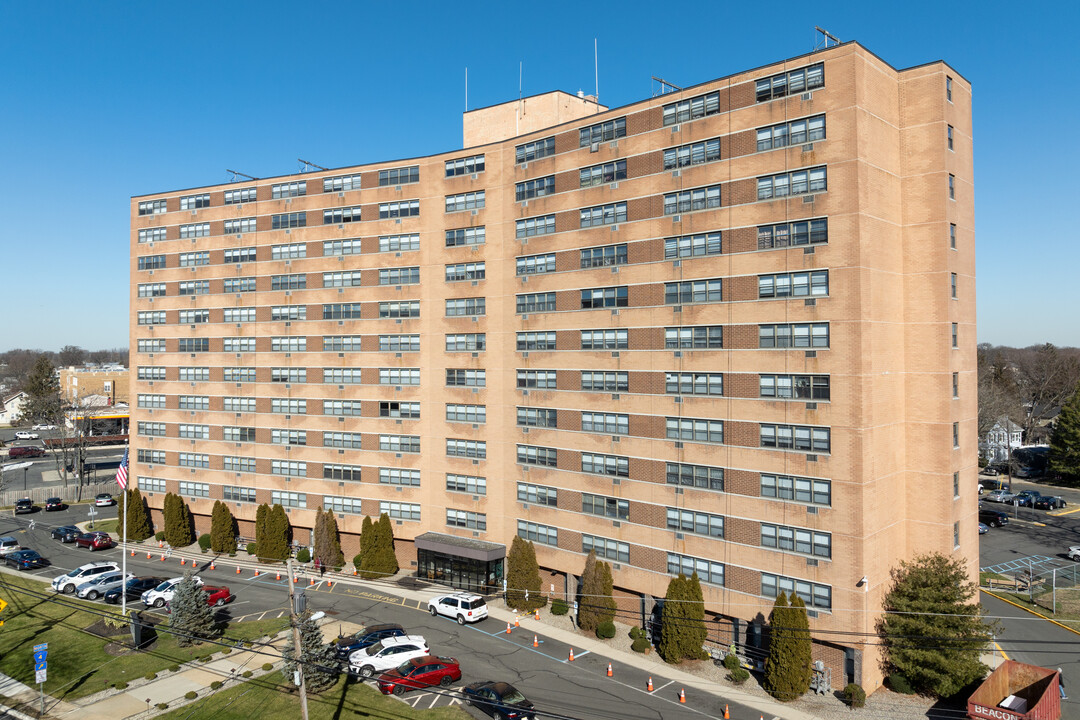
(463, 607)
(164, 592)
(25, 435)
(84, 573)
(386, 654)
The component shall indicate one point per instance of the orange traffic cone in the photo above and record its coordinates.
(256, 572)
(536, 641)
(160, 544)
(183, 561)
(132, 553)
(609, 672)
(648, 687)
(726, 715)
(571, 655)
(148, 555)
(517, 621)
(312, 582)
(278, 576)
(682, 696)
(354, 571)
(507, 628)
(212, 565)
(536, 614)
(329, 583)
(163, 558)
(237, 569)
(296, 579)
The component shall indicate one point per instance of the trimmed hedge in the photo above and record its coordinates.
(855, 695)
(267, 667)
(204, 542)
(559, 607)
(605, 630)
(731, 661)
(640, 645)
(739, 675)
(303, 555)
(190, 695)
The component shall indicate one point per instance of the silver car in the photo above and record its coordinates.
(999, 496)
(98, 586)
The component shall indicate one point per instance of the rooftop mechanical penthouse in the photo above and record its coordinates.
(729, 329)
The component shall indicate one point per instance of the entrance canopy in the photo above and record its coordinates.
(460, 547)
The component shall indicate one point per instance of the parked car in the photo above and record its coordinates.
(104, 500)
(26, 435)
(993, 518)
(25, 505)
(25, 560)
(463, 607)
(97, 586)
(1074, 553)
(420, 672)
(1025, 498)
(164, 592)
(96, 540)
(983, 528)
(25, 451)
(54, 503)
(65, 533)
(1049, 502)
(215, 597)
(68, 582)
(499, 700)
(8, 545)
(347, 645)
(989, 471)
(43, 427)
(999, 496)
(387, 654)
(133, 588)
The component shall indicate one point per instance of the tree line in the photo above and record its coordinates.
(20, 361)
(1026, 384)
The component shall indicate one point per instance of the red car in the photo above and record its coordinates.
(419, 673)
(217, 596)
(95, 541)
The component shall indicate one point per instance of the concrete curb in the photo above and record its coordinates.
(1037, 614)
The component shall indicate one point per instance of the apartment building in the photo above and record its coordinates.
(728, 329)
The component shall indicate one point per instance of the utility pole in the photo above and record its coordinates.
(294, 621)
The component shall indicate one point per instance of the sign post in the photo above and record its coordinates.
(92, 514)
(41, 665)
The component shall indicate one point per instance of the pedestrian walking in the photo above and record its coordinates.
(1061, 685)
(319, 566)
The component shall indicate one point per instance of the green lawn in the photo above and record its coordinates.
(78, 663)
(270, 695)
(106, 525)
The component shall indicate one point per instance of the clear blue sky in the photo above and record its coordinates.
(106, 100)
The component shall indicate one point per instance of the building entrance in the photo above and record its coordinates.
(463, 563)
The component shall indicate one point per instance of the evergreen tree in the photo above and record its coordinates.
(787, 666)
(43, 403)
(382, 560)
(138, 517)
(605, 602)
(278, 535)
(262, 514)
(178, 531)
(367, 545)
(682, 621)
(319, 539)
(222, 529)
(320, 662)
(933, 597)
(590, 587)
(1064, 456)
(191, 617)
(523, 574)
(335, 558)
(696, 632)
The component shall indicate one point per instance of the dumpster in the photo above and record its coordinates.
(1017, 691)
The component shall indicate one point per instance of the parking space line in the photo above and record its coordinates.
(663, 686)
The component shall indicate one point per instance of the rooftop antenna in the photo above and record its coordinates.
(664, 85)
(237, 175)
(521, 103)
(826, 37)
(466, 89)
(305, 166)
(596, 71)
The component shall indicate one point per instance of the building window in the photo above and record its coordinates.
(153, 234)
(800, 489)
(399, 376)
(808, 232)
(466, 342)
(799, 284)
(798, 182)
(956, 434)
(534, 150)
(400, 510)
(288, 406)
(605, 506)
(194, 489)
(692, 154)
(238, 404)
(604, 256)
(194, 230)
(238, 197)
(238, 226)
(406, 410)
(191, 317)
(466, 448)
(530, 227)
(350, 278)
(601, 174)
(465, 166)
(193, 432)
(606, 548)
(151, 372)
(693, 291)
(194, 202)
(606, 423)
(536, 341)
(281, 437)
(458, 307)
(193, 345)
(956, 534)
(403, 309)
(343, 505)
(602, 132)
(400, 443)
(955, 335)
(466, 519)
(399, 476)
(952, 186)
(349, 440)
(150, 457)
(605, 339)
(193, 402)
(948, 88)
(152, 207)
(158, 289)
(195, 460)
(952, 236)
(692, 108)
(194, 374)
(288, 312)
(794, 387)
(536, 264)
(689, 521)
(952, 286)
(701, 338)
(603, 215)
(286, 375)
(795, 132)
(353, 246)
(240, 255)
(533, 455)
(151, 429)
(612, 465)
(465, 201)
(342, 183)
(399, 243)
(348, 408)
(537, 417)
(790, 83)
(593, 298)
(536, 302)
(465, 271)
(242, 285)
(288, 467)
(288, 499)
(708, 571)
(399, 209)
(956, 384)
(340, 216)
(193, 287)
(233, 493)
(695, 430)
(348, 473)
(538, 187)
(458, 377)
(803, 438)
(693, 383)
(538, 379)
(814, 595)
(399, 276)
(796, 335)
(949, 136)
(238, 374)
(468, 413)
(689, 200)
(399, 343)
(470, 484)
(956, 484)
(288, 344)
(466, 236)
(798, 540)
(147, 317)
(288, 220)
(399, 176)
(151, 485)
(543, 534)
(695, 476)
(598, 381)
(288, 190)
(687, 246)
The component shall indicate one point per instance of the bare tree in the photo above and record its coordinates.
(999, 389)
(71, 355)
(1047, 377)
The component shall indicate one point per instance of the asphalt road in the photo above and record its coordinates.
(579, 690)
(43, 471)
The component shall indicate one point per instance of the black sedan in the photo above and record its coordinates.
(499, 700)
(25, 560)
(65, 533)
(1049, 502)
(134, 588)
(26, 505)
(54, 503)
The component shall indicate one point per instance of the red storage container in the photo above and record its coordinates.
(1017, 691)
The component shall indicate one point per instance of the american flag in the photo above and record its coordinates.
(121, 472)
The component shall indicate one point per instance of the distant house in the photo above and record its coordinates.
(11, 407)
(1002, 439)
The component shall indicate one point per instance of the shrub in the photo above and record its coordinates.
(739, 675)
(190, 695)
(246, 673)
(204, 542)
(640, 645)
(267, 667)
(855, 695)
(303, 555)
(174, 668)
(205, 658)
(159, 535)
(559, 607)
(731, 661)
(120, 685)
(226, 651)
(151, 676)
(162, 706)
(605, 630)
(216, 685)
(899, 683)
(252, 548)
(635, 632)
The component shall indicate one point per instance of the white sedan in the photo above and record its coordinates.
(386, 654)
(43, 427)
(1074, 553)
(26, 435)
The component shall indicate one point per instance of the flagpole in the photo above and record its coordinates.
(123, 553)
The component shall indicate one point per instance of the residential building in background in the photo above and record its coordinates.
(107, 381)
(727, 330)
(11, 406)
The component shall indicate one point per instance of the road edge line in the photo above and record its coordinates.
(1038, 614)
